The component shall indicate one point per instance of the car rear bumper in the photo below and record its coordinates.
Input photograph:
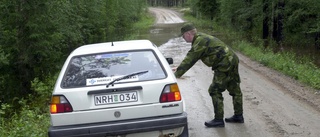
(121, 127)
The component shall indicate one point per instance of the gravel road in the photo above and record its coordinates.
(274, 105)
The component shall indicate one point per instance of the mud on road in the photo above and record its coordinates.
(274, 105)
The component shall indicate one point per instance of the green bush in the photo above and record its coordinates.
(28, 122)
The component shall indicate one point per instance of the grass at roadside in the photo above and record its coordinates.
(301, 69)
(30, 122)
(143, 25)
(33, 118)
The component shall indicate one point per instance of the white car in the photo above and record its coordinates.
(123, 88)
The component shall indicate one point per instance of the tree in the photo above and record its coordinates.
(166, 3)
(278, 19)
(302, 23)
(208, 7)
(265, 24)
(27, 42)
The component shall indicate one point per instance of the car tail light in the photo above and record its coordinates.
(59, 104)
(170, 93)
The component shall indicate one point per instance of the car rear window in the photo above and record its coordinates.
(98, 69)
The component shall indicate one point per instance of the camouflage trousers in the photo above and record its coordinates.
(227, 80)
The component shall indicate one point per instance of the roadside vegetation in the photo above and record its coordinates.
(36, 40)
(290, 64)
(37, 36)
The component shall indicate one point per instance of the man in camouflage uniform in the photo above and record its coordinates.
(224, 62)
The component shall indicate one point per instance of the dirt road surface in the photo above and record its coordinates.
(274, 105)
(164, 16)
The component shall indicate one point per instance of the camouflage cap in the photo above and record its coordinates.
(186, 27)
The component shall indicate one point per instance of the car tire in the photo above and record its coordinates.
(185, 132)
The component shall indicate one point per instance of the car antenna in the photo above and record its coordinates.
(112, 43)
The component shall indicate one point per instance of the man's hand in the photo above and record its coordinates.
(174, 69)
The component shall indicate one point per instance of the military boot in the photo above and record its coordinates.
(215, 123)
(235, 119)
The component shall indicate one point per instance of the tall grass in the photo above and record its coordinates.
(147, 20)
(29, 122)
(32, 120)
(299, 68)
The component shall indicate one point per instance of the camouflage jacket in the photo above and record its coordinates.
(212, 52)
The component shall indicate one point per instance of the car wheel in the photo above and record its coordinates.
(185, 132)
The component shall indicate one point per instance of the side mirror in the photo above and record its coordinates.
(169, 60)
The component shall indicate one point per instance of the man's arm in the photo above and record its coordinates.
(194, 54)
(185, 65)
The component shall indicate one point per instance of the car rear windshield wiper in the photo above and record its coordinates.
(126, 77)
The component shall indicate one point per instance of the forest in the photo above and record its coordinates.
(37, 36)
(285, 22)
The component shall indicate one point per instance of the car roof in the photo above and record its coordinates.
(113, 46)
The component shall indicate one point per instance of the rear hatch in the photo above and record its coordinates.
(114, 86)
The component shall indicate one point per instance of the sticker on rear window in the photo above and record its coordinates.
(106, 80)
(112, 55)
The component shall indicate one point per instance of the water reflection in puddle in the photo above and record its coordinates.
(161, 33)
(166, 37)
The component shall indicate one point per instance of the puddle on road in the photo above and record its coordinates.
(161, 33)
(166, 37)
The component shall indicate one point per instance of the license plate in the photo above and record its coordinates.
(116, 98)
